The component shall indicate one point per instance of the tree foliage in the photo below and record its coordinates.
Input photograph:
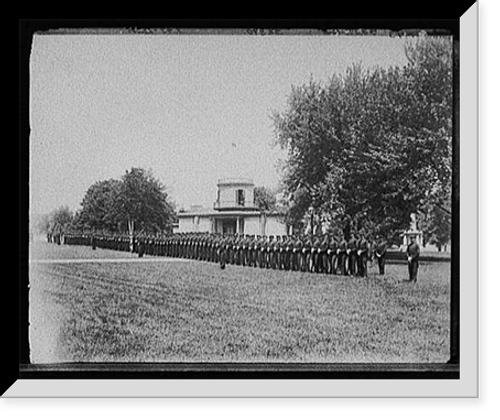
(138, 201)
(265, 198)
(99, 206)
(57, 221)
(370, 147)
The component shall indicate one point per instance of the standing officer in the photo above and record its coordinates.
(289, 244)
(342, 256)
(302, 253)
(306, 254)
(252, 251)
(260, 251)
(380, 253)
(362, 256)
(351, 255)
(316, 254)
(222, 247)
(140, 246)
(275, 250)
(332, 255)
(296, 253)
(413, 254)
(244, 250)
(324, 257)
(283, 251)
(234, 249)
(263, 251)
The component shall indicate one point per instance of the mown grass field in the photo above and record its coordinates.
(163, 310)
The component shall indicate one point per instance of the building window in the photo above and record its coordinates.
(240, 197)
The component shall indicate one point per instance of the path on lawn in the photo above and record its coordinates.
(104, 260)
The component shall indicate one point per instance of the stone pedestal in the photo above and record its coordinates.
(413, 231)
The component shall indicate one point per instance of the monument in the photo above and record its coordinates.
(413, 232)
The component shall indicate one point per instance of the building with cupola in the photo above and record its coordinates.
(233, 211)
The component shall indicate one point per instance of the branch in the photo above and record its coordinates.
(442, 208)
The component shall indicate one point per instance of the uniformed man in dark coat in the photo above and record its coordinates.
(413, 255)
(362, 255)
(289, 244)
(306, 254)
(315, 265)
(283, 253)
(332, 255)
(274, 253)
(262, 251)
(352, 247)
(380, 253)
(342, 256)
(323, 255)
(223, 249)
(140, 246)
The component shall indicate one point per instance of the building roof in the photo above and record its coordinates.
(227, 213)
(235, 181)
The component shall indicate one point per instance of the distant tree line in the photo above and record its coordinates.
(136, 202)
(369, 147)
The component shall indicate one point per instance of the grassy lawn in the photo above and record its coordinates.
(190, 311)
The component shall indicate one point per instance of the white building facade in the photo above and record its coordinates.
(233, 211)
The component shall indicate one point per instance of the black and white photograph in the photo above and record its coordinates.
(240, 199)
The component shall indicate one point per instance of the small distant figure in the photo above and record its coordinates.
(141, 247)
(380, 253)
(413, 254)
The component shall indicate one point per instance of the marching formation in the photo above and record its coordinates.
(328, 254)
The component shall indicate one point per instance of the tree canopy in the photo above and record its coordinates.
(56, 221)
(370, 147)
(138, 201)
(264, 198)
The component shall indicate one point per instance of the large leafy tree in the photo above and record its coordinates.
(137, 201)
(142, 202)
(57, 221)
(368, 148)
(99, 206)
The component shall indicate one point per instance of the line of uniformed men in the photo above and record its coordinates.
(319, 254)
(327, 254)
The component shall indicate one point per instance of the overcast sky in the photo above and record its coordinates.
(193, 108)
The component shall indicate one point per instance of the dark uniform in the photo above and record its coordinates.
(330, 255)
(252, 251)
(315, 265)
(262, 251)
(296, 247)
(413, 254)
(305, 254)
(274, 253)
(223, 250)
(342, 257)
(362, 256)
(284, 251)
(380, 254)
(140, 247)
(323, 255)
(352, 247)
